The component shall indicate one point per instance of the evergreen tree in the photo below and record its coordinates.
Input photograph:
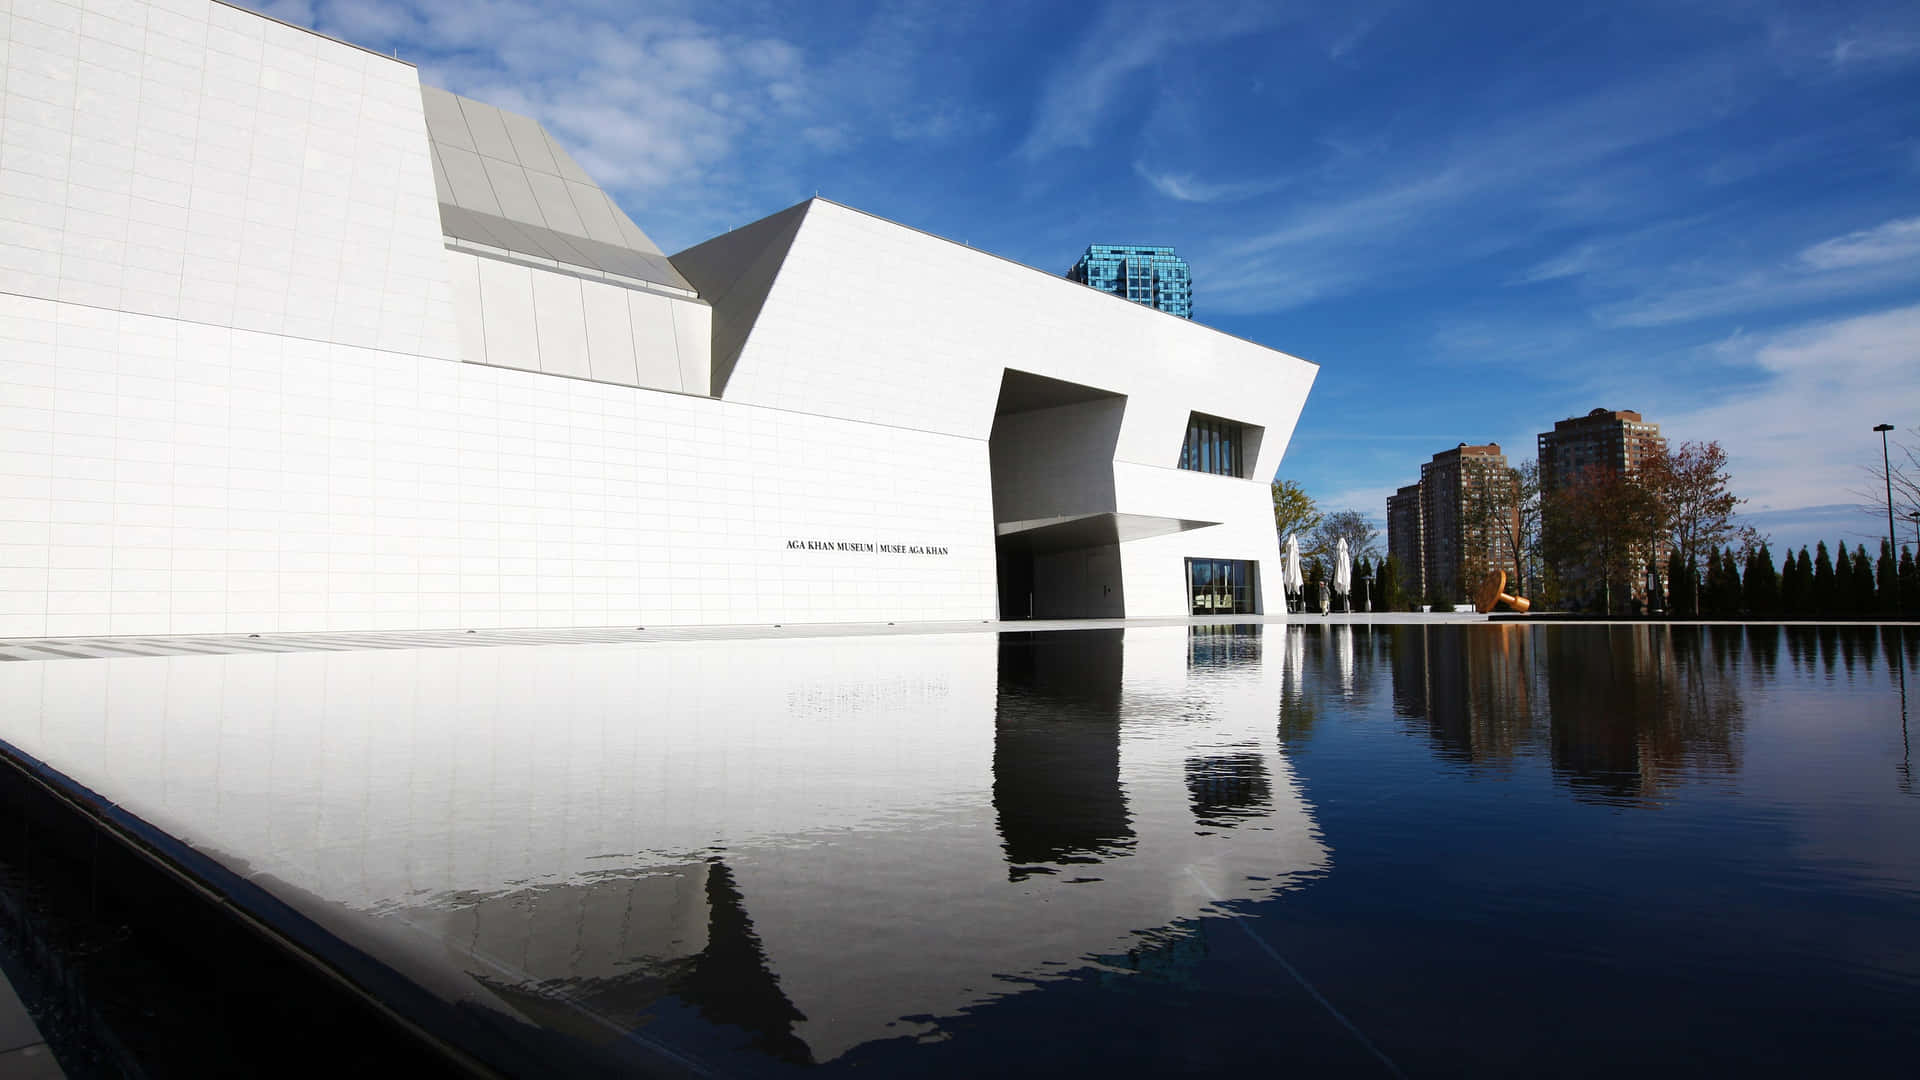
(1696, 596)
(1909, 582)
(1803, 569)
(1390, 596)
(1713, 595)
(1679, 590)
(1789, 585)
(1710, 590)
(1863, 599)
(1762, 585)
(1840, 600)
(1729, 598)
(1886, 586)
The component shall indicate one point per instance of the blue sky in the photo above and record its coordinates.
(1477, 219)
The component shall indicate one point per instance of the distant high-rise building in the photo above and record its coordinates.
(1601, 443)
(1614, 441)
(1430, 531)
(1153, 276)
(1406, 539)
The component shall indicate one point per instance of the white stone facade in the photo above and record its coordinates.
(261, 371)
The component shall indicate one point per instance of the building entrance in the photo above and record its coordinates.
(1222, 586)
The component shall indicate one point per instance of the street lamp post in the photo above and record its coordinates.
(1886, 468)
(1915, 515)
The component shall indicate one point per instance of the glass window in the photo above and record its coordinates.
(1213, 446)
(1222, 586)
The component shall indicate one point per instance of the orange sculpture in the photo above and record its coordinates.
(1493, 590)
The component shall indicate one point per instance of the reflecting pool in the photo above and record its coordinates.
(1385, 850)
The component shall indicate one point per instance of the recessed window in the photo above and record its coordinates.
(1214, 446)
(1222, 586)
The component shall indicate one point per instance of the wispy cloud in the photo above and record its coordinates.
(1853, 265)
(1891, 241)
(1463, 191)
(696, 114)
(1565, 265)
(1185, 187)
(1874, 48)
(1127, 39)
(1800, 433)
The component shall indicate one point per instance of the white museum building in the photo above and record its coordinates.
(289, 342)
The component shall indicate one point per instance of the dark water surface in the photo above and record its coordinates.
(1381, 850)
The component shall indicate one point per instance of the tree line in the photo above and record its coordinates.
(1822, 583)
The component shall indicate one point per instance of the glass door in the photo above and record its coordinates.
(1221, 586)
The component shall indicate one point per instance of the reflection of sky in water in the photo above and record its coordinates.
(825, 845)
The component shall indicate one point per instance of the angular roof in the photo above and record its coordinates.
(734, 272)
(504, 182)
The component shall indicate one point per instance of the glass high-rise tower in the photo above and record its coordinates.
(1153, 276)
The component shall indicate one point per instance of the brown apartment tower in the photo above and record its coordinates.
(1407, 539)
(1607, 442)
(1428, 532)
(1615, 441)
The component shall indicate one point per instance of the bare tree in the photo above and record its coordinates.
(1600, 530)
(1500, 511)
(1903, 459)
(1349, 524)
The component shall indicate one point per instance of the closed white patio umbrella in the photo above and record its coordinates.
(1290, 577)
(1342, 569)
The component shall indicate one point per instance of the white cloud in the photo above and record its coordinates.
(1800, 436)
(1185, 187)
(1874, 48)
(1883, 243)
(1856, 264)
(692, 114)
(1565, 265)
(1128, 39)
(1451, 195)
(1371, 501)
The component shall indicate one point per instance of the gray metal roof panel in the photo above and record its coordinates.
(515, 192)
(556, 206)
(468, 179)
(595, 213)
(489, 130)
(504, 181)
(629, 231)
(441, 189)
(569, 168)
(446, 125)
(542, 243)
(529, 143)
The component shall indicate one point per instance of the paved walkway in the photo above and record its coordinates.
(94, 648)
(23, 1053)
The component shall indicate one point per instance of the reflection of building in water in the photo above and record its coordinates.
(1664, 706)
(1473, 687)
(1225, 645)
(1228, 788)
(803, 841)
(1665, 703)
(614, 948)
(1056, 748)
